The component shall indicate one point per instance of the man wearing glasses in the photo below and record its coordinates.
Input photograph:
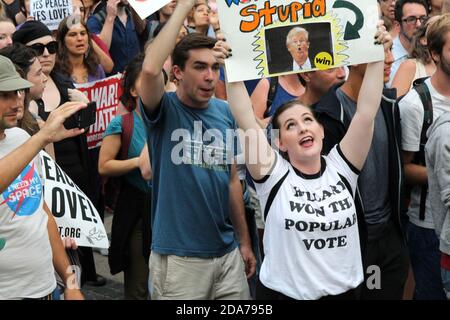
(410, 14)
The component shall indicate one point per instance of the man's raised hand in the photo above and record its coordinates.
(54, 130)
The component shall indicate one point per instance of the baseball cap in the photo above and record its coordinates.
(10, 80)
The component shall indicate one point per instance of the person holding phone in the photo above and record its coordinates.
(31, 249)
(71, 154)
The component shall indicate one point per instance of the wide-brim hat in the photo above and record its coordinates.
(10, 79)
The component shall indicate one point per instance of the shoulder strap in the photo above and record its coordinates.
(272, 93)
(101, 16)
(425, 96)
(153, 25)
(127, 133)
(41, 109)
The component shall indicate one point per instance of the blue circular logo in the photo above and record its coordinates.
(23, 196)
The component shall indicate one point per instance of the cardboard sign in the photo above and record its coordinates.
(276, 37)
(74, 213)
(106, 94)
(144, 8)
(50, 12)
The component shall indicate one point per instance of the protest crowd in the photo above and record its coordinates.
(317, 184)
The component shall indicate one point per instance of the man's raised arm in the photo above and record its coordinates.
(152, 80)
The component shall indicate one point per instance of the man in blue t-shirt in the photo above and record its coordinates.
(198, 217)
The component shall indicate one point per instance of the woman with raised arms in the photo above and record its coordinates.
(311, 239)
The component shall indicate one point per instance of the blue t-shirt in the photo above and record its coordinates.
(190, 198)
(137, 142)
(124, 43)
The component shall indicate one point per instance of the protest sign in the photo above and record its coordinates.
(106, 94)
(50, 12)
(74, 213)
(144, 8)
(276, 37)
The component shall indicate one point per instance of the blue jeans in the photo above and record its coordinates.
(425, 260)
(445, 273)
(56, 294)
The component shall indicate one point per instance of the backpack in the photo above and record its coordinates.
(112, 186)
(419, 157)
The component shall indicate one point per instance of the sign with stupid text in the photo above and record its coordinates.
(50, 12)
(106, 94)
(74, 212)
(144, 8)
(276, 37)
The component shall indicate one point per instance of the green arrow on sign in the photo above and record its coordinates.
(351, 30)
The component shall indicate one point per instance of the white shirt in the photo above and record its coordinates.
(305, 66)
(26, 267)
(400, 54)
(411, 113)
(311, 237)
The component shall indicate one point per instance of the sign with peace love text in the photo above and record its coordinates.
(74, 212)
(50, 12)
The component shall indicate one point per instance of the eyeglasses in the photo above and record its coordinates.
(413, 20)
(39, 48)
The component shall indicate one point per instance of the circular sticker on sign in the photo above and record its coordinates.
(323, 60)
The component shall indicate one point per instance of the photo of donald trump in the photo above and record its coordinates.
(297, 43)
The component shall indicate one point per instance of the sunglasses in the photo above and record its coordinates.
(39, 48)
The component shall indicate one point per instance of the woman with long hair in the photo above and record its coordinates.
(76, 58)
(311, 239)
(120, 156)
(99, 47)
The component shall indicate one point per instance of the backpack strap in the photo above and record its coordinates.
(425, 96)
(153, 25)
(101, 16)
(271, 96)
(127, 133)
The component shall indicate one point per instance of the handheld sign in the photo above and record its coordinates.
(74, 213)
(144, 8)
(276, 37)
(50, 12)
(106, 94)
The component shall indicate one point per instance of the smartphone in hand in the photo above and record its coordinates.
(87, 116)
